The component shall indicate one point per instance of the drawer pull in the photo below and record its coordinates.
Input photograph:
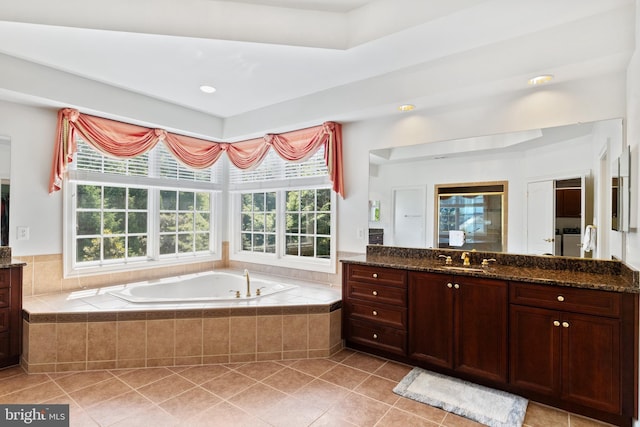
(456, 286)
(556, 323)
(565, 324)
(375, 275)
(449, 285)
(375, 336)
(375, 313)
(375, 293)
(560, 298)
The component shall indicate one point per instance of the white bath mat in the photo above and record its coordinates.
(482, 404)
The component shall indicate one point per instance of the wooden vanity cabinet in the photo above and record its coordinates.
(567, 343)
(375, 308)
(10, 315)
(459, 323)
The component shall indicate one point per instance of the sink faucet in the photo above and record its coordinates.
(465, 259)
(246, 274)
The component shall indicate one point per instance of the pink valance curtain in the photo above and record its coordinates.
(124, 140)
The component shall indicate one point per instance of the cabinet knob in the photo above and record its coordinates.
(565, 324)
(375, 275)
(456, 286)
(375, 336)
(375, 293)
(375, 313)
(449, 285)
(560, 298)
(556, 323)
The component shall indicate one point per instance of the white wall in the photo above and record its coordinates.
(632, 254)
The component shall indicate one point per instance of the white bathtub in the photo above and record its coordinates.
(212, 286)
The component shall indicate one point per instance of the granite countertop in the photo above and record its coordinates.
(8, 263)
(608, 281)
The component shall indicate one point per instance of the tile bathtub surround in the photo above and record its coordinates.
(348, 389)
(87, 330)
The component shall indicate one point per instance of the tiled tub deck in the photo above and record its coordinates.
(91, 329)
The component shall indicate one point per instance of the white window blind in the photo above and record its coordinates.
(274, 168)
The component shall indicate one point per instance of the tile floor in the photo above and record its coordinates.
(348, 389)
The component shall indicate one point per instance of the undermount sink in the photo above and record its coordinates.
(462, 268)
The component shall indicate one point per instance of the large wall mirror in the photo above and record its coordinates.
(554, 185)
(5, 169)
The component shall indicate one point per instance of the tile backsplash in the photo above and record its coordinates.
(43, 274)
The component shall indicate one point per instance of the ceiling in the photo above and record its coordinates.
(283, 63)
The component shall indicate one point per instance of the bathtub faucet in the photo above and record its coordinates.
(246, 274)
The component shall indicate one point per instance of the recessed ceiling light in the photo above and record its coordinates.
(406, 107)
(207, 89)
(541, 79)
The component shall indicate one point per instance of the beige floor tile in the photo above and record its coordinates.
(190, 403)
(323, 394)
(224, 415)
(143, 376)
(21, 381)
(201, 374)
(257, 399)
(452, 420)
(79, 380)
(166, 388)
(421, 410)
(379, 389)
(364, 362)
(11, 372)
(393, 371)
(315, 367)
(120, 407)
(396, 417)
(578, 421)
(288, 380)
(37, 394)
(152, 416)
(330, 420)
(544, 416)
(345, 376)
(97, 393)
(292, 412)
(259, 370)
(359, 410)
(228, 384)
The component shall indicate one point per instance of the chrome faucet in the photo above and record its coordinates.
(465, 259)
(246, 274)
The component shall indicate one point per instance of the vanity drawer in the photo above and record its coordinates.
(378, 275)
(588, 301)
(381, 337)
(384, 315)
(377, 293)
(5, 277)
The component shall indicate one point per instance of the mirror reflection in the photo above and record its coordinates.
(558, 183)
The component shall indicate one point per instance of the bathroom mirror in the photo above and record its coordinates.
(5, 160)
(624, 189)
(517, 158)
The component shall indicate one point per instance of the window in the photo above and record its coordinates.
(149, 210)
(284, 214)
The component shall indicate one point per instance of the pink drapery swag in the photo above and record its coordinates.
(124, 140)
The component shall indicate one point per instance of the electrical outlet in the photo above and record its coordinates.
(23, 233)
(360, 233)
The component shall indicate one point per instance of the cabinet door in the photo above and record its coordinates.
(481, 310)
(534, 341)
(431, 319)
(591, 361)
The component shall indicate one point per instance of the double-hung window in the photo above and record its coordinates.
(141, 212)
(283, 214)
